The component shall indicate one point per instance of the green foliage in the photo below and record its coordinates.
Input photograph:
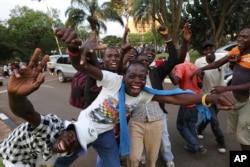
(26, 30)
(93, 13)
(216, 20)
(112, 40)
(161, 55)
(194, 54)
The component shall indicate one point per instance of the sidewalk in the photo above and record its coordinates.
(6, 126)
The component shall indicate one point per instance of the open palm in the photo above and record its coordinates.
(28, 78)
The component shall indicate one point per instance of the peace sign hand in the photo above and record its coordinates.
(28, 79)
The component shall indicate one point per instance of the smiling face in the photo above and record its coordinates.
(132, 54)
(208, 51)
(66, 142)
(150, 52)
(111, 59)
(243, 39)
(135, 78)
(144, 59)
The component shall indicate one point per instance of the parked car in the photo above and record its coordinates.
(63, 68)
(51, 63)
(221, 52)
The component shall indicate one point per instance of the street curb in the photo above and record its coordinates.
(7, 121)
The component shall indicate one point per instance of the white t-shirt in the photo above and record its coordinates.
(111, 84)
(213, 77)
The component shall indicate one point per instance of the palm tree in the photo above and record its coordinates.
(96, 16)
(159, 11)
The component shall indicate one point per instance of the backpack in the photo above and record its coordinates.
(77, 90)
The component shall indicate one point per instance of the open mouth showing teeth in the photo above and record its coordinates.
(113, 64)
(60, 146)
(136, 87)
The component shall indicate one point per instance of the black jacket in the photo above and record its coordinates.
(158, 74)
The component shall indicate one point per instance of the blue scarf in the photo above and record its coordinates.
(124, 148)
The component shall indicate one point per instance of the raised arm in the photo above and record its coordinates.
(81, 53)
(125, 35)
(172, 60)
(19, 87)
(186, 36)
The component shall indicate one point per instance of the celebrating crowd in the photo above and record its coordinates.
(127, 117)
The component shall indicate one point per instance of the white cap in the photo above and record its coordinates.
(85, 131)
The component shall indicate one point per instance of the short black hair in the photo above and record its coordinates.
(136, 62)
(110, 47)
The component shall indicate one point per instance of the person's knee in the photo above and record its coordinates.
(134, 159)
(179, 128)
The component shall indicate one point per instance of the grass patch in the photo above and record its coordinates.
(1, 163)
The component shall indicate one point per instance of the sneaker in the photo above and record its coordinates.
(170, 164)
(200, 135)
(221, 148)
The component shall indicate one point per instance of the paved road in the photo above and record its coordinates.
(53, 97)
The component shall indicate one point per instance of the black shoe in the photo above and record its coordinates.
(188, 149)
(201, 151)
(196, 153)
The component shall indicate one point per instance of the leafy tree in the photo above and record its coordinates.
(112, 40)
(213, 19)
(164, 13)
(25, 30)
(81, 10)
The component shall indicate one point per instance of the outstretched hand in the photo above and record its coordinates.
(225, 101)
(28, 78)
(81, 50)
(219, 89)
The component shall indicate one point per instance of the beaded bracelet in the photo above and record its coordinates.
(203, 101)
(71, 53)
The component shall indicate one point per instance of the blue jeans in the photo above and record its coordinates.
(186, 125)
(106, 147)
(99, 162)
(214, 122)
(165, 148)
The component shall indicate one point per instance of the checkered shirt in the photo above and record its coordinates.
(25, 144)
(147, 112)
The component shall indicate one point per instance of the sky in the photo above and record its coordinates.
(61, 5)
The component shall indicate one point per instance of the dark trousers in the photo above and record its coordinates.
(214, 123)
(186, 125)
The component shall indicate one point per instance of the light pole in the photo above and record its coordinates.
(52, 26)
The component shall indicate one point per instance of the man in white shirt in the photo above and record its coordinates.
(211, 78)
